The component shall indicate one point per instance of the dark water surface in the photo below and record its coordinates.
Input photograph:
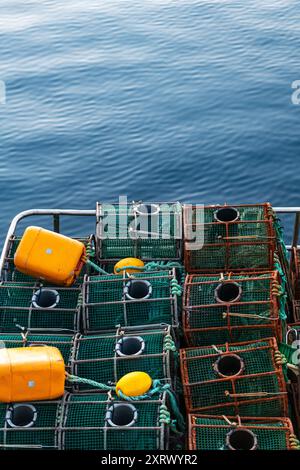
(155, 99)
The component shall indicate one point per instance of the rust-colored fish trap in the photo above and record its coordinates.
(232, 308)
(228, 238)
(242, 378)
(296, 311)
(207, 432)
(295, 272)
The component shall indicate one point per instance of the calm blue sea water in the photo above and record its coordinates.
(153, 99)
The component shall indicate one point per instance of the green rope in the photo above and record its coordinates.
(165, 418)
(279, 235)
(96, 267)
(169, 344)
(93, 383)
(157, 387)
(176, 289)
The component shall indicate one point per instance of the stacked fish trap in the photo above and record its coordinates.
(145, 299)
(133, 312)
(240, 378)
(33, 305)
(109, 356)
(232, 307)
(140, 230)
(234, 312)
(295, 272)
(236, 433)
(85, 421)
(227, 238)
(112, 318)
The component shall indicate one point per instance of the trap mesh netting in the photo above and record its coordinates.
(227, 238)
(108, 357)
(140, 230)
(32, 305)
(295, 272)
(147, 298)
(232, 308)
(245, 379)
(236, 433)
(87, 422)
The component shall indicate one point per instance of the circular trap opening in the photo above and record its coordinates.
(147, 209)
(121, 414)
(45, 298)
(228, 292)
(130, 346)
(227, 214)
(135, 289)
(229, 365)
(21, 416)
(241, 439)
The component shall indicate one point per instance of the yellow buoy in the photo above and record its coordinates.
(134, 384)
(128, 262)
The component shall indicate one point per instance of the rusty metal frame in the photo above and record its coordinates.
(273, 325)
(277, 372)
(255, 424)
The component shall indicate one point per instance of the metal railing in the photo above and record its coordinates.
(56, 214)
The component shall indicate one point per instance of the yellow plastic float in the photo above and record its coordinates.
(32, 373)
(134, 384)
(118, 268)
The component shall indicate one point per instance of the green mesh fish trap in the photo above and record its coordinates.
(108, 357)
(34, 306)
(242, 378)
(227, 238)
(145, 299)
(232, 308)
(86, 422)
(139, 230)
(207, 432)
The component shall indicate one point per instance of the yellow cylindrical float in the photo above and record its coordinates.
(30, 374)
(118, 268)
(134, 384)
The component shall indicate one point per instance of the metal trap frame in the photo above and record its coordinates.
(85, 422)
(150, 231)
(19, 307)
(232, 307)
(242, 378)
(107, 302)
(295, 272)
(242, 241)
(209, 432)
(107, 357)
